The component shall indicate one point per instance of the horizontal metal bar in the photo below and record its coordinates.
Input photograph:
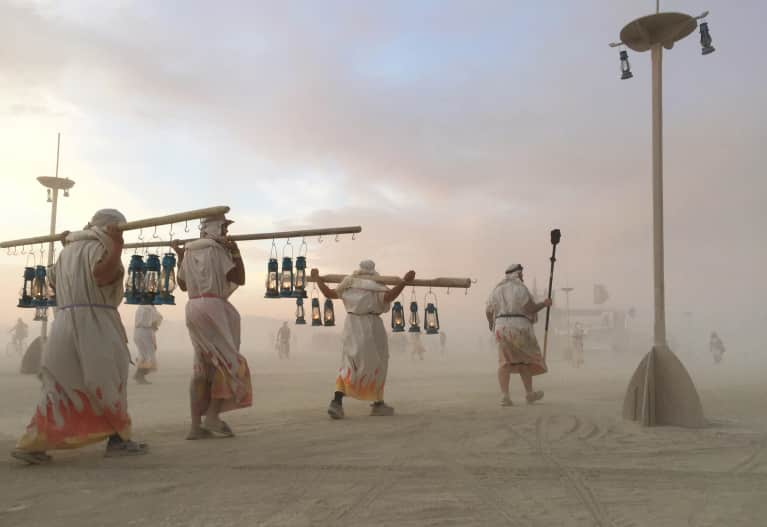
(450, 283)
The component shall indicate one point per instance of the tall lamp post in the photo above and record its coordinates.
(54, 185)
(661, 391)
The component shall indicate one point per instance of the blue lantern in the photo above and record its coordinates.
(286, 277)
(329, 314)
(272, 279)
(134, 285)
(152, 270)
(39, 292)
(316, 313)
(167, 281)
(300, 320)
(397, 318)
(25, 299)
(414, 319)
(299, 280)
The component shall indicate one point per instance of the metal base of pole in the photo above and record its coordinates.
(661, 393)
(33, 357)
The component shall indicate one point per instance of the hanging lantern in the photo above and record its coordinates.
(272, 279)
(316, 313)
(167, 281)
(39, 292)
(329, 314)
(41, 313)
(300, 320)
(25, 297)
(397, 318)
(50, 290)
(299, 280)
(431, 319)
(414, 320)
(286, 277)
(152, 271)
(705, 39)
(625, 66)
(134, 285)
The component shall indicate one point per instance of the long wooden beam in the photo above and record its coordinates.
(330, 231)
(450, 283)
(129, 225)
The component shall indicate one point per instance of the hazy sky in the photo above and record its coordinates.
(456, 133)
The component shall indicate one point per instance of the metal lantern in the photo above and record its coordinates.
(134, 284)
(299, 279)
(414, 319)
(167, 281)
(25, 297)
(705, 39)
(39, 291)
(431, 319)
(397, 318)
(50, 290)
(153, 268)
(286, 277)
(625, 66)
(329, 314)
(41, 313)
(316, 313)
(300, 320)
(272, 279)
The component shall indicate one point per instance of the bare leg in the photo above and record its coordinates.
(194, 390)
(527, 379)
(504, 376)
(214, 408)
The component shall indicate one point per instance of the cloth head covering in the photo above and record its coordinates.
(362, 279)
(514, 268)
(211, 227)
(367, 268)
(105, 217)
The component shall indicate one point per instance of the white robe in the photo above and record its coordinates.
(364, 342)
(147, 321)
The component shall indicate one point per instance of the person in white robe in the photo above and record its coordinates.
(85, 367)
(579, 334)
(511, 312)
(417, 349)
(364, 342)
(210, 270)
(716, 346)
(283, 341)
(147, 321)
(443, 343)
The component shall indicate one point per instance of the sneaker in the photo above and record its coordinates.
(335, 410)
(506, 401)
(381, 410)
(126, 448)
(534, 396)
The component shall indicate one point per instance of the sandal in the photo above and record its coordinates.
(221, 429)
(126, 448)
(32, 458)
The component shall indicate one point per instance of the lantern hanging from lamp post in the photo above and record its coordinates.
(299, 280)
(625, 66)
(705, 39)
(167, 281)
(152, 272)
(134, 284)
(300, 319)
(316, 313)
(329, 313)
(25, 298)
(397, 318)
(431, 315)
(414, 319)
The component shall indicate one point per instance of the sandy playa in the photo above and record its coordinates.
(451, 455)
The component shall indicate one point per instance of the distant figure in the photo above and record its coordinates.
(442, 343)
(416, 346)
(211, 269)
(716, 347)
(147, 322)
(511, 312)
(578, 336)
(20, 333)
(283, 341)
(85, 366)
(364, 343)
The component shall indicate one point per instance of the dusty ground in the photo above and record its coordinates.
(451, 455)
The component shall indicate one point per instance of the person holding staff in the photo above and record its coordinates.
(511, 313)
(364, 342)
(210, 270)
(84, 371)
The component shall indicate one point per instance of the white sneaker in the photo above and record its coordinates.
(534, 396)
(506, 401)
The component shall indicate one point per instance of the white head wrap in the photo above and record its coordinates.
(367, 268)
(362, 279)
(211, 227)
(105, 217)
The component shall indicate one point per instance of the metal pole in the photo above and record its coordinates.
(657, 194)
(54, 206)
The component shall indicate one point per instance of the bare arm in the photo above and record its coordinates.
(237, 274)
(107, 270)
(328, 292)
(392, 295)
(532, 308)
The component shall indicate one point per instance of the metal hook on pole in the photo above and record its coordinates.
(303, 249)
(171, 234)
(338, 238)
(319, 240)
(141, 235)
(186, 226)
(354, 236)
(288, 244)
(154, 234)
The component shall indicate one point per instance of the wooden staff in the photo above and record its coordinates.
(258, 236)
(450, 283)
(129, 225)
(555, 237)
